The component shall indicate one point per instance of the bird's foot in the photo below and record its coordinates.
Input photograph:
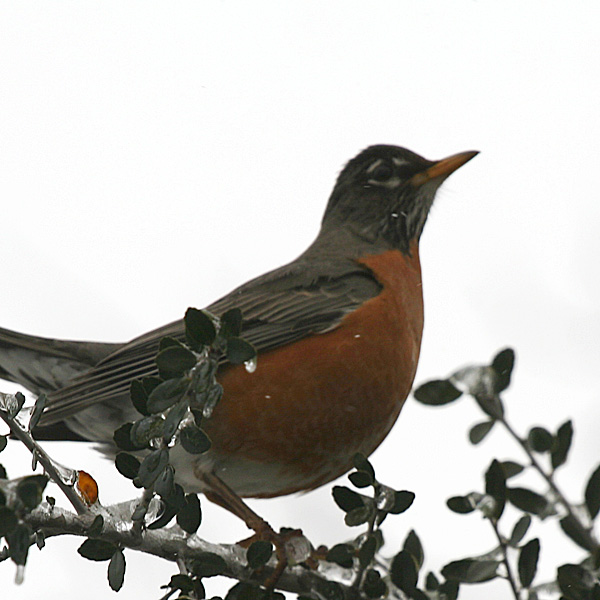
(291, 548)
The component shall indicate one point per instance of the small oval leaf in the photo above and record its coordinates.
(519, 530)
(528, 559)
(503, 364)
(95, 549)
(527, 501)
(341, 554)
(116, 570)
(478, 432)
(174, 361)
(469, 570)
(239, 351)
(592, 494)
(540, 439)
(346, 498)
(199, 328)
(402, 501)
(563, 439)
(460, 504)
(127, 464)
(190, 516)
(403, 572)
(194, 440)
(437, 393)
(231, 323)
(259, 553)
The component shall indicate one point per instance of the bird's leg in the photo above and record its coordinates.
(220, 493)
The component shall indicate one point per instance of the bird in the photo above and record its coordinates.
(337, 332)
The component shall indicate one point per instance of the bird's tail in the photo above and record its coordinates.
(45, 365)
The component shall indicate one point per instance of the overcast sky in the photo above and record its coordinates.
(154, 155)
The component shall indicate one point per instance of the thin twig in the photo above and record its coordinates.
(583, 530)
(509, 574)
(42, 457)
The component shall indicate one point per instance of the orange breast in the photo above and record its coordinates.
(312, 404)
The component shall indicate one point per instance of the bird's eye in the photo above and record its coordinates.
(382, 172)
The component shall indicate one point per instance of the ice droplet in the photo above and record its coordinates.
(251, 365)
(67, 476)
(386, 497)
(297, 549)
(20, 574)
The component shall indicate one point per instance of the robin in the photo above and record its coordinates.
(337, 331)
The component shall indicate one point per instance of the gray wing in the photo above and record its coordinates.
(277, 308)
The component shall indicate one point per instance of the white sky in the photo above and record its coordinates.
(154, 155)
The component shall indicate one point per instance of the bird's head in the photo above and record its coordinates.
(385, 193)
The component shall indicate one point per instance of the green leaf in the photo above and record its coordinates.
(152, 466)
(116, 570)
(519, 530)
(576, 532)
(403, 572)
(17, 406)
(460, 504)
(190, 516)
(231, 323)
(239, 351)
(145, 430)
(402, 501)
(479, 432)
(431, 582)
(183, 583)
(540, 439)
(139, 396)
(360, 479)
(574, 581)
(470, 570)
(95, 529)
(346, 498)
(199, 328)
(123, 440)
(449, 590)
(169, 511)
(527, 501)
(194, 440)
(367, 551)
(490, 405)
(592, 494)
(98, 550)
(166, 394)
(528, 559)
(18, 543)
(511, 468)
(8, 520)
(358, 516)
(563, 439)
(174, 418)
(127, 464)
(208, 564)
(174, 361)
(30, 490)
(503, 364)
(362, 464)
(373, 586)
(259, 553)
(412, 544)
(164, 485)
(437, 393)
(38, 409)
(341, 554)
(495, 486)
